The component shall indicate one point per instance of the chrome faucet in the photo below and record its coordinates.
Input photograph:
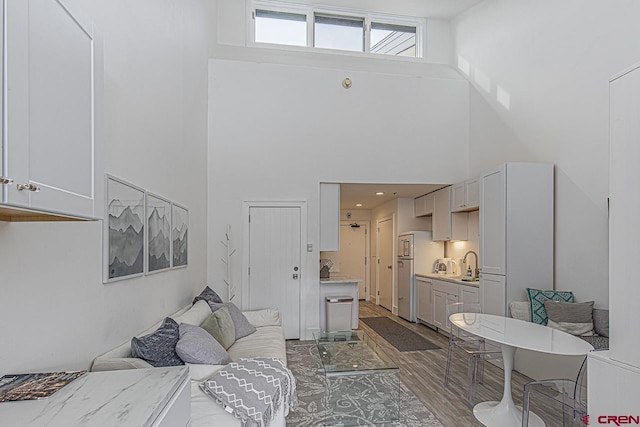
(477, 270)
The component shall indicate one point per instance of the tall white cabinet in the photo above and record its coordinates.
(51, 153)
(614, 376)
(516, 233)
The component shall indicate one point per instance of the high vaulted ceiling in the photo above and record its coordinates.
(437, 9)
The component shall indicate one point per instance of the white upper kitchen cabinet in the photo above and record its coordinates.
(441, 219)
(329, 217)
(424, 205)
(465, 196)
(53, 96)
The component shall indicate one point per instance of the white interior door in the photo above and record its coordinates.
(274, 263)
(353, 255)
(385, 260)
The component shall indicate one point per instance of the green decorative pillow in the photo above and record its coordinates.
(221, 327)
(537, 299)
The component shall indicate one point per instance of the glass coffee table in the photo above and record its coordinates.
(363, 382)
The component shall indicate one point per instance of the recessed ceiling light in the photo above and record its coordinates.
(379, 193)
(358, 205)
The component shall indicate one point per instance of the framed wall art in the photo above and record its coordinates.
(179, 236)
(124, 230)
(158, 216)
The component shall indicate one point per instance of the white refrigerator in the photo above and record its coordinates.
(416, 254)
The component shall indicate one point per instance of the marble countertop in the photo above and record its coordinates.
(133, 397)
(449, 278)
(337, 279)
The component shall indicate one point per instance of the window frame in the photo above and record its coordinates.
(310, 13)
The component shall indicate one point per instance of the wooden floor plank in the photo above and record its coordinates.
(423, 373)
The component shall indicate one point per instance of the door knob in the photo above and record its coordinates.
(5, 180)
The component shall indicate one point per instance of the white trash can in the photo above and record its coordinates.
(338, 310)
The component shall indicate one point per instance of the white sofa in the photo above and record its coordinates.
(267, 341)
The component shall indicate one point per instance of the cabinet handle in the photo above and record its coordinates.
(4, 180)
(30, 187)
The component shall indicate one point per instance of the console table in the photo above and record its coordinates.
(157, 397)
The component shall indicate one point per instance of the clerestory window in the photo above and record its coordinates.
(286, 24)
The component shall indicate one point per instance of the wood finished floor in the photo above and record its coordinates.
(423, 373)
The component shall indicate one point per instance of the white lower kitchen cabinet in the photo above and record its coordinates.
(469, 294)
(444, 293)
(493, 294)
(433, 296)
(424, 296)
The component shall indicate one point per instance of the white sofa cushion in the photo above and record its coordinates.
(197, 314)
(266, 317)
(267, 341)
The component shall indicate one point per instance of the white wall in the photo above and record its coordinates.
(554, 60)
(56, 313)
(277, 131)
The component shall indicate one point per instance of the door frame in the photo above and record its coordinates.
(393, 259)
(302, 204)
(367, 255)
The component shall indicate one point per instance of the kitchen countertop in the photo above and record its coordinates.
(337, 279)
(449, 278)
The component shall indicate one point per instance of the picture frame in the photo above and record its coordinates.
(124, 239)
(158, 240)
(179, 236)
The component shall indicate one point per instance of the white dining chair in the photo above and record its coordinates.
(564, 398)
(476, 349)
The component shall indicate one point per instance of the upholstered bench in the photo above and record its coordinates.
(600, 339)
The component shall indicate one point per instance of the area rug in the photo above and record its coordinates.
(304, 361)
(397, 335)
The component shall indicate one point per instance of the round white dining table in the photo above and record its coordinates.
(512, 334)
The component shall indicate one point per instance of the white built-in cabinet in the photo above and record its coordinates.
(618, 369)
(424, 308)
(516, 233)
(424, 205)
(52, 89)
(329, 216)
(465, 196)
(624, 210)
(441, 219)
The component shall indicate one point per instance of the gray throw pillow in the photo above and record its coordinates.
(209, 295)
(197, 346)
(159, 348)
(242, 325)
(221, 327)
(211, 326)
(601, 322)
(226, 327)
(573, 318)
